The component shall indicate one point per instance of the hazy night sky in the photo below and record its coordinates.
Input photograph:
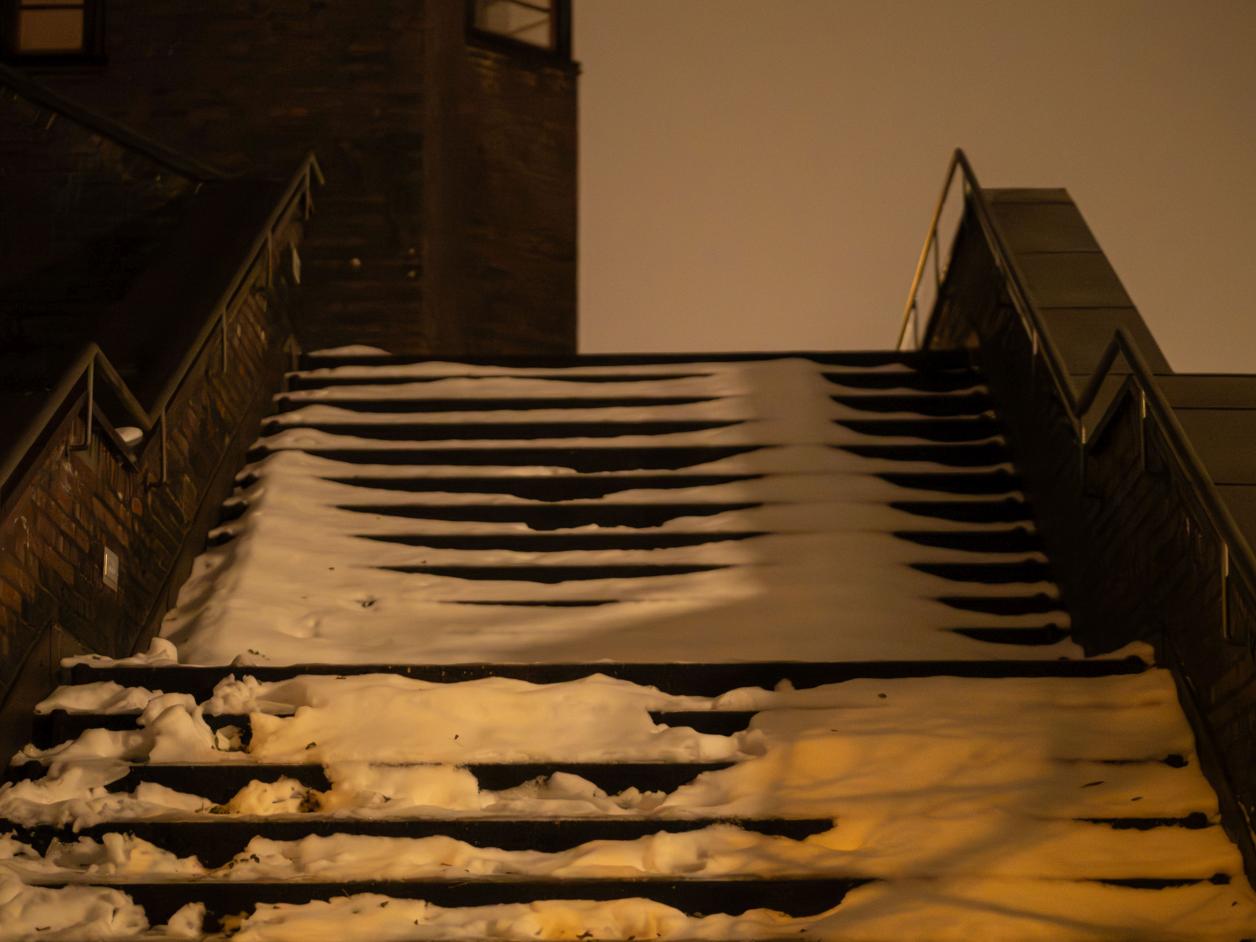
(759, 175)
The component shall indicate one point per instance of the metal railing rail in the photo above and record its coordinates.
(1030, 319)
(1236, 552)
(160, 154)
(92, 368)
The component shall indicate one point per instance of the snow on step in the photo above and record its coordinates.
(522, 628)
(912, 772)
(815, 509)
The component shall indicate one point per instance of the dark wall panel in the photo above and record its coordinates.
(1132, 543)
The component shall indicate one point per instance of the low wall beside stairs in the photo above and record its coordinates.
(69, 503)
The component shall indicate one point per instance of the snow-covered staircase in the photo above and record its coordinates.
(681, 647)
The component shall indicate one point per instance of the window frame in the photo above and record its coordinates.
(559, 52)
(92, 53)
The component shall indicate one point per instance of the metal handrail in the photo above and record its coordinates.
(1236, 551)
(1031, 320)
(92, 365)
(159, 153)
(911, 310)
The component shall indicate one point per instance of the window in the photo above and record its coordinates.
(53, 30)
(543, 25)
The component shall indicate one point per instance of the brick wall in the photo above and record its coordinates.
(82, 214)
(374, 89)
(521, 210)
(252, 87)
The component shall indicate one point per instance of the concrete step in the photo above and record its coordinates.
(50, 729)
(563, 542)
(696, 679)
(930, 429)
(1000, 573)
(577, 458)
(925, 361)
(485, 431)
(220, 781)
(552, 574)
(998, 481)
(955, 455)
(933, 381)
(564, 516)
(993, 510)
(547, 488)
(302, 381)
(1007, 540)
(934, 404)
(215, 839)
(794, 896)
(487, 404)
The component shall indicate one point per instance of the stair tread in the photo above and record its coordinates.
(801, 895)
(577, 458)
(534, 542)
(384, 405)
(58, 725)
(220, 781)
(506, 431)
(556, 516)
(555, 573)
(300, 381)
(675, 678)
(216, 839)
(935, 359)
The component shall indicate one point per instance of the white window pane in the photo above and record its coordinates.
(50, 30)
(528, 21)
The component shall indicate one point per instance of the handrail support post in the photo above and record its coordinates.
(937, 267)
(1081, 457)
(1142, 427)
(1225, 587)
(165, 453)
(91, 407)
(91, 403)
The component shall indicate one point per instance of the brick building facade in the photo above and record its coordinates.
(447, 224)
(139, 169)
